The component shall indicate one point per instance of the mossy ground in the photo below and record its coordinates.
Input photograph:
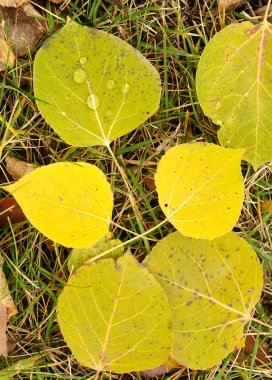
(172, 35)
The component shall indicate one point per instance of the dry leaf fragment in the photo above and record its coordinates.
(7, 57)
(17, 168)
(12, 3)
(224, 4)
(11, 344)
(169, 365)
(150, 182)
(10, 212)
(262, 353)
(157, 371)
(3, 326)
(20, 26)
(266, 206)
(7, 310)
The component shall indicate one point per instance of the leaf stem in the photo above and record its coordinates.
(261, 323)
(96, 375)
(130, 197)
(128, 242)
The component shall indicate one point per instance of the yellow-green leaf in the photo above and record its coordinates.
(212, 288)
(115, 316)
(234, 88)
(79, 256)
(70, 203)
(200, 189)
(92, 87)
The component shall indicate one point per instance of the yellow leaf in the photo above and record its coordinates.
(115, 316)
(70, 203)
(234, 88)
(93, 87)
(200, 188)
(212, 289)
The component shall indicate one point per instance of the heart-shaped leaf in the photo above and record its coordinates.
(234, 88)
(70, 203)
(115, 316)
(212, 288)
(92, 87)
(200, 188)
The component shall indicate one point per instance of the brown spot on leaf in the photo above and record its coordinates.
(253, 30)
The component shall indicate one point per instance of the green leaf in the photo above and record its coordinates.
(70, 203)
(79, 256)
(212, 288)
(200, 189)
(234, 88)
(92, 87)
(115, 316)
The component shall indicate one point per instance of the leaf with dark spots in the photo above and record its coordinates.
(234, 88)
(108, 82)
(199, 201)
(115, 316)
(84, 215)
(213, 305)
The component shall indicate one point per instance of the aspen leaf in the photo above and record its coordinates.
(212, 288)
(70, 203)
(234, 88)
(200, 189)
(79, 256)
(92, 86)
(115, 316)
